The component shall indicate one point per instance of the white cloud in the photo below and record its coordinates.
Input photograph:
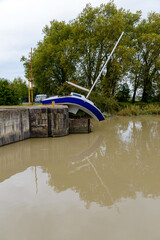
(145, 6)
(22, 22)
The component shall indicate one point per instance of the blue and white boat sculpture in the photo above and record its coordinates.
(76, 101)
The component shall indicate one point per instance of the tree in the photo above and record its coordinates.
(135, 75)
(123, 94)
(119, 65)
(96, 31)
(21, 88)
(77, 51)
(8, 95)
(157, 87)
(146, 64)
(53, 62)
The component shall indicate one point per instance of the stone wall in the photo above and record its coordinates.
(49, 121)
(14, 125)
(80, 125)
(38, 119)
(17, 124)
(58, 121)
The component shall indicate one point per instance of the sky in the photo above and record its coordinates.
(22, 21)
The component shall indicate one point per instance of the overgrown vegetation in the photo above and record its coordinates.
(138, 109)
(106, 105)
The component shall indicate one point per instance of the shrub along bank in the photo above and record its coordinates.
(110, 106)
(113, 107)
(138, 109)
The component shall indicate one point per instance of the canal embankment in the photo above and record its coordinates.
(17, 124)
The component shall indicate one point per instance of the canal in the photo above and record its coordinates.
(102, 185)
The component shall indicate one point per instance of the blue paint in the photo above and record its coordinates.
(79, 102)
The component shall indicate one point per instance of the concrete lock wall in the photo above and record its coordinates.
(38, 119)
(80, 125)
(17, 124)
(58, 121)
(49, 121)
(14, 125)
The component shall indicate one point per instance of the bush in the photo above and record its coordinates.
(151, 109)
(108, 105)
(137, 109)
(130, 111)
(123, 93)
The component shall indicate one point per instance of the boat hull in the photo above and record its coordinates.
(83, 104)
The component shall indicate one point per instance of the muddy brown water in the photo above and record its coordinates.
(102, 185)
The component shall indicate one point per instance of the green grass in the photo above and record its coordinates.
(131, 110)
(128, 109)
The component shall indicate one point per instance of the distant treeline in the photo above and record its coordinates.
(14, 93)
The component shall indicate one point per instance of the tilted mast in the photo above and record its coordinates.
(104, 65)
(85, 89)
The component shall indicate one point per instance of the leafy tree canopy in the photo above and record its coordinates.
(76, 51)
(20, 87)
(8, 95)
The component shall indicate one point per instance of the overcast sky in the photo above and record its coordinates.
(22, 21)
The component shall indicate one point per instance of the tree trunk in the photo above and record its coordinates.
(134, 95)
(146, 90)
(135, 89)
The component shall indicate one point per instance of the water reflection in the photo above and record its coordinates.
(117, 160)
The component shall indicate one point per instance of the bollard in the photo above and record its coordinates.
(53, 104)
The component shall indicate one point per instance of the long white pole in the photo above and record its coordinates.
(104, 65)
(75, 85)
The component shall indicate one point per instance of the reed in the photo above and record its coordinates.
(135, 110)
(151, 109)
(132, 110)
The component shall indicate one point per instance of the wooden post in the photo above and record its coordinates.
(29, 95)
(31, 80)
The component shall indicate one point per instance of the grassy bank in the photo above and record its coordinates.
(125, 109)
(129, 109)
(110, 106)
